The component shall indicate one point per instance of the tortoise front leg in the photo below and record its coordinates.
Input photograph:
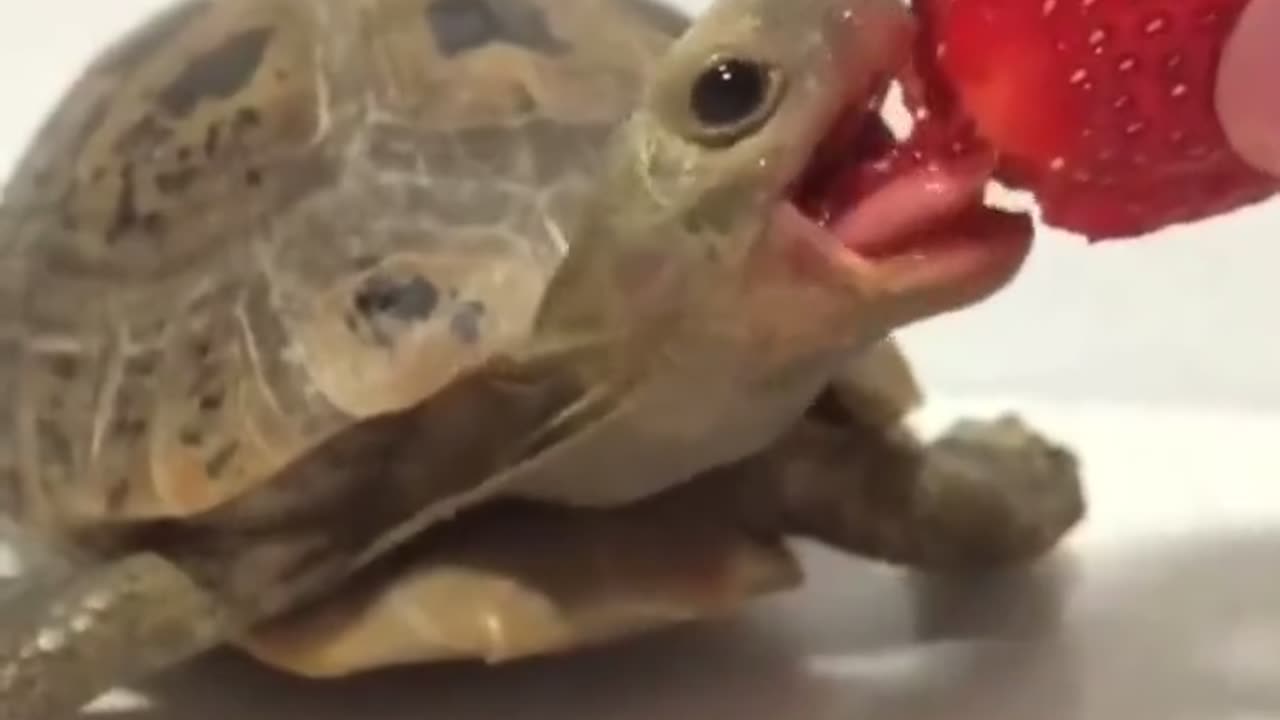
(64, 643)
(29, 559)
(984, 495)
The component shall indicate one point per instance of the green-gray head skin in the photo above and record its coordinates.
(715, 306)
(695, 226)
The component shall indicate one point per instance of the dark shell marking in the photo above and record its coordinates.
(217, 74)
(252, 223)
(462, 25)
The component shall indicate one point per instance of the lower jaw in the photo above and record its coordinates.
(965, 257)
(976, 249)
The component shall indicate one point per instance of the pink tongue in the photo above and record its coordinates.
(880, 221)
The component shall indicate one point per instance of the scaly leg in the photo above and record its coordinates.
(62, 644)
(984, 495)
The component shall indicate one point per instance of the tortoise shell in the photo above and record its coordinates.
(253, 223)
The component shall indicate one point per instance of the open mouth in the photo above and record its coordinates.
(917, 200)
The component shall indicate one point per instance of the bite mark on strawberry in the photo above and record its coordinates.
(1103, 109)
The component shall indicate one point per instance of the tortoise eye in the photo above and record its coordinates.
(732, 97)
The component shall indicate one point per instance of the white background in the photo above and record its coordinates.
(1159, 360)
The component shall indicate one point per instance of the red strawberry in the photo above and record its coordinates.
(1102, 108)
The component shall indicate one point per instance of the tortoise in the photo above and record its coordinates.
(356, 333)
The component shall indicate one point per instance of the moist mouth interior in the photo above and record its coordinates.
(859, 155)
(839, 172)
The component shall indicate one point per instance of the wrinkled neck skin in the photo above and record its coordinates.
(698, 332)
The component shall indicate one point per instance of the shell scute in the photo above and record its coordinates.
(253, 223)
(156, 138)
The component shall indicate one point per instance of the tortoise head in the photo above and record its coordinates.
(731, 206)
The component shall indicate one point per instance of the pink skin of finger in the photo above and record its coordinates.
(1247, 96)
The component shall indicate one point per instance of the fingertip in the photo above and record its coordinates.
(1246, 96)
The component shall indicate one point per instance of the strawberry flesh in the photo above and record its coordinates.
(833, 190)
(1103, 109)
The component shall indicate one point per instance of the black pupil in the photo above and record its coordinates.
(729, 92)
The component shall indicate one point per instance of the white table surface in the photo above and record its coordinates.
(1159, 361)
